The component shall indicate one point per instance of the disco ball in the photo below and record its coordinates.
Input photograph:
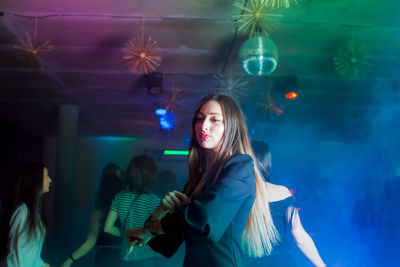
(259, 56)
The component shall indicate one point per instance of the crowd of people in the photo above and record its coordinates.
(228, 213)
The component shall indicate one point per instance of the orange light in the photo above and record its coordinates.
(291, 95)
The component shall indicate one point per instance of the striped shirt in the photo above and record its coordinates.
(133, 211)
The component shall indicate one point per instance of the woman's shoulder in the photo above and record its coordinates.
(239, 159)
(239, 167)
(22, 206)
(21, 209)
(20, 213)
(277, 192)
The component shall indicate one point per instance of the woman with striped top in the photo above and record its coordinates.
(133, 206)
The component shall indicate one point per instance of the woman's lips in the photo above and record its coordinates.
(204, 136)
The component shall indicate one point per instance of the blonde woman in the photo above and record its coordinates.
(223, 211)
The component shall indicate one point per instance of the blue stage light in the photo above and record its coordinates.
(167, 121)
(161, 111)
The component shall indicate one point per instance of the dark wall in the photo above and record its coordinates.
(17, 146)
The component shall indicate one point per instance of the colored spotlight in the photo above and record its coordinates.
(161, 111)
(167, 121)
(291, 95)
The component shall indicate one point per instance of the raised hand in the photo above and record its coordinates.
(174, 199)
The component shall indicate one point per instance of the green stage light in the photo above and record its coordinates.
(176, 152)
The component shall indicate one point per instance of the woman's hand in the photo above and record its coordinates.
(168, 204)
(137, 236)
(174, 199)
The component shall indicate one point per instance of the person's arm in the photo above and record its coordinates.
(109, 225)
(168, 203)
(214, 210)
(165, 244)
(141, 235)
(303, 240)
(17, 222)
(91, 239)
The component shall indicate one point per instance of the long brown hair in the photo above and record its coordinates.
(260, 233)
(28, 190)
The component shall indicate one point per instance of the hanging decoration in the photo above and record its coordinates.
(259, 56)
(142, 55)
(232, 86)
(171, 100)
(33, 47)
(269, 105)
(280, 3)
(352, 59)
(256, 18)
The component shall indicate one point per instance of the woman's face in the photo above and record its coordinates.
(210, 126)
(46, 181)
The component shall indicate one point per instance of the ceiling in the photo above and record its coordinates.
(85, 66)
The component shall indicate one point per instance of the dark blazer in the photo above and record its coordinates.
(213, 223)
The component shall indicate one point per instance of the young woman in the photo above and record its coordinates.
(224, 208)
(26, 230)
(132, 206)
(286, 219)
(107, 246)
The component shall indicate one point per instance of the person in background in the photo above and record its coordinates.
(26, 229)
(107, 246)
(132, 206)
(286, 219)
(222, 211)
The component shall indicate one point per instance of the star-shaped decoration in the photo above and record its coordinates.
(232, 86)
(352, 59)
(269, 105)
(142, 55)
(32, 48)
(256, 18)
(171, 100)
